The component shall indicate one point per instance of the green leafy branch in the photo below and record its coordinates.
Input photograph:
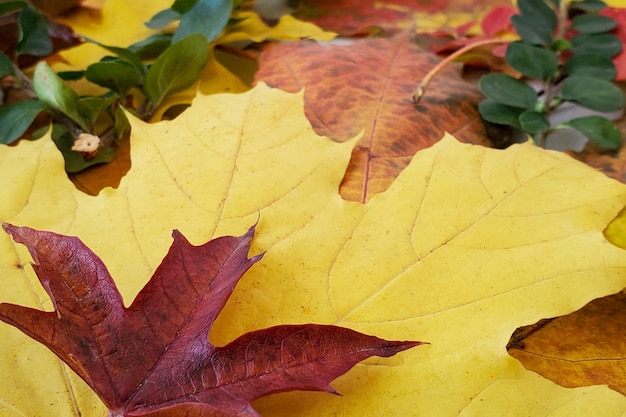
(566, 48)
(87, 128)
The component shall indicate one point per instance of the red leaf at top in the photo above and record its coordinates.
(155, 354)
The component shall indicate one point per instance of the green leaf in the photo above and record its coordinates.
(9, 6)
(505, 89)
(162, 19)
(183, 6)
(176, 69)
(532, 61)
(589, 6)
(74, 161)
(49, 88)
(600, 44)
(121, 125)
(119, 75)
(91, 107)
(152, 46)
(591, 65)
(500, 113)
(528, 28)
(15, 119)
(71, 75)
(207, 17)
(6, 65)
(590, 23)
(593, 93)
(34, 38)
(598, 130)
(536, 23)
(125, 54)
(534, 122)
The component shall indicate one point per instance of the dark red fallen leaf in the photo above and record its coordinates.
(155, 355)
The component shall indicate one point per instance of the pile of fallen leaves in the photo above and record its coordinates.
(371, 220)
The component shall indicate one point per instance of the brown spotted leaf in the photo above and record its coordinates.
(155, 355)
(366, 87)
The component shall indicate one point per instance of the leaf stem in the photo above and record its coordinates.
(421, 89)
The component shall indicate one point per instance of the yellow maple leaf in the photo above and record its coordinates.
(468, 244)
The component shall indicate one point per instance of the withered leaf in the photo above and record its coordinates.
(155, 354)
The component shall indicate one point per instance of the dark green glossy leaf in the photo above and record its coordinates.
(207, 17)
(533, 122)
(532, 61)
(505, 89)
(176, 69)
(593, 93)
(598, 130)
(540, 10)
(183, 6)
(6, 65)
(591, 65)
(531, 31)
(16, 118)
(34, 38)
(589, 6)
(162, 19)
(152, 46)
(9, 6)
(91, 107)
(601, 44)
(71, 75)
(590, 23)
(74, 161)
(500, 113)
(125, 54)
(50, 89)
(120, 76)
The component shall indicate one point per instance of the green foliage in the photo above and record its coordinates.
(151, 69)
(577, 69)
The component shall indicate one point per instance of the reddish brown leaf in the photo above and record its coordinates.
(155, 355)
(367, 87)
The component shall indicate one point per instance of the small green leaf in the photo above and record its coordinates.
(601, 44)
(532, 32)
(207, 17)
(540, 10)
(598, 130)
(591, 65)
(589, 6)
(162, 19)
(534, 122)
(6, 65)
(71, 75)
(499, 113)
(34, 38)
(91, 107)
(593, 93)
(561, 45)
(15, 119)
(125, 54)
(183, 6)
(120, 76)
(49, 88)
(176, 69)
(9, 6)
(532, 61)
(121, 125)
(152, 46)
(505, 89)
(590, 23)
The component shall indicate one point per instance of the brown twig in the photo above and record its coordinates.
(421, 89)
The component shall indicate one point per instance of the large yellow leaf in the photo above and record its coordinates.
(468, 244)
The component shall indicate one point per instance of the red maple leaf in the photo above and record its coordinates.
(155, 355)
